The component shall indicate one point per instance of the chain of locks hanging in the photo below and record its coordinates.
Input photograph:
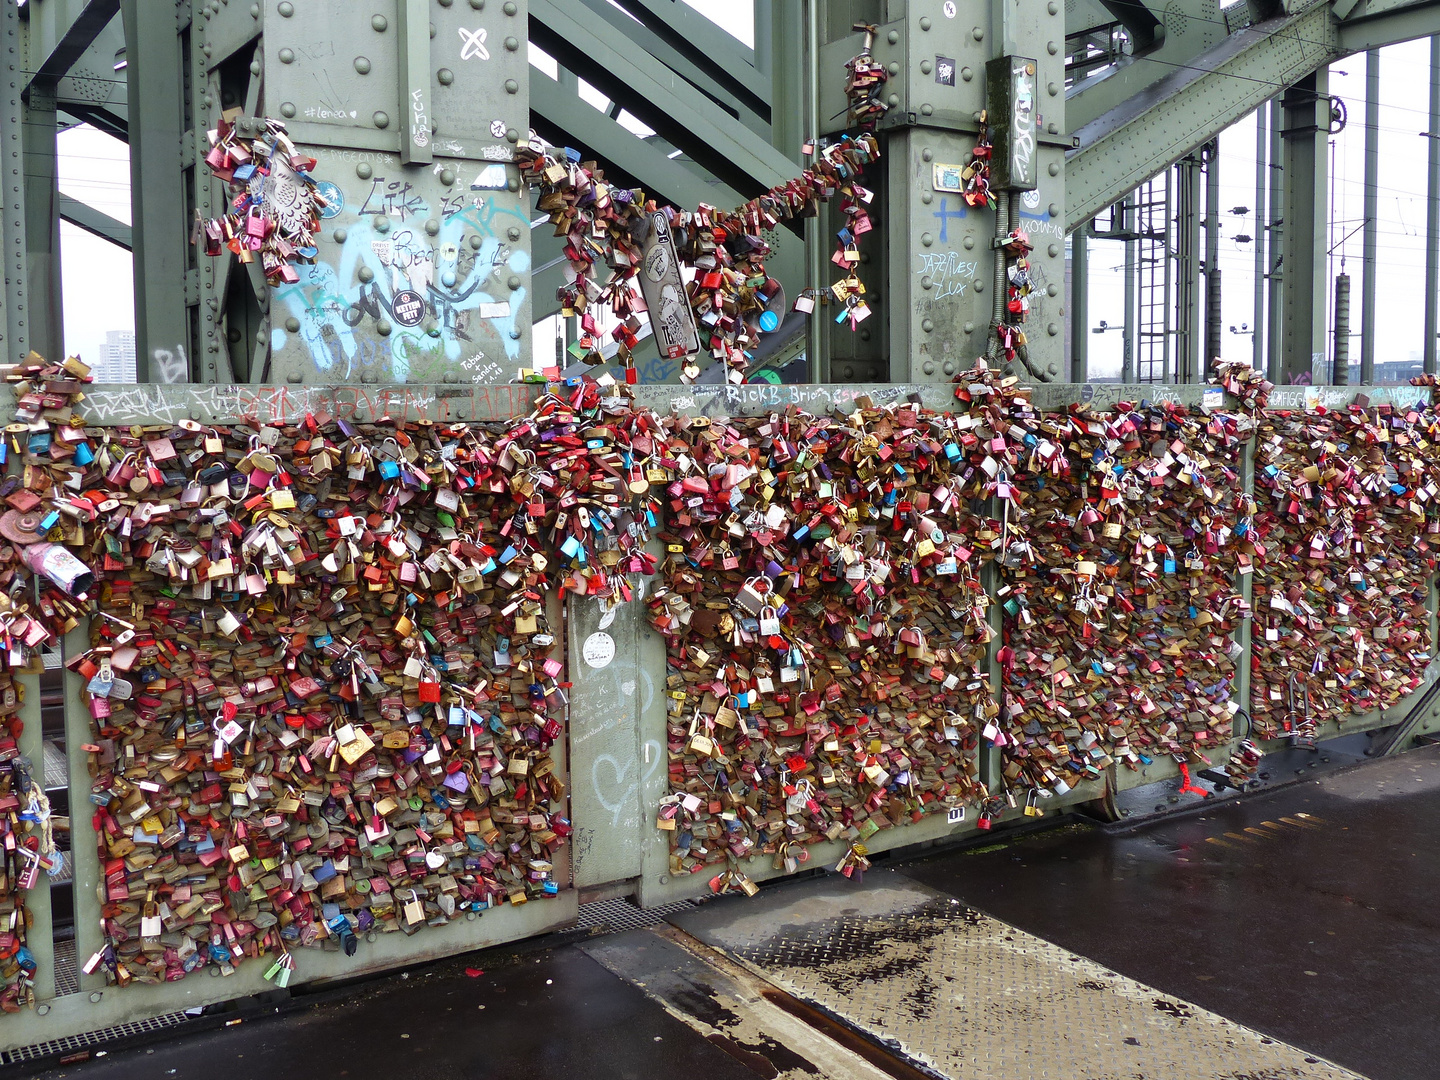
(324, 668)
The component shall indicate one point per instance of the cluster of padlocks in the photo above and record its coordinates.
(324, 665)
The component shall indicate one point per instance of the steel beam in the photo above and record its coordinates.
(1275, 246)
(605, 57)
(1306, 107)
(96, 222)
(1374, 25)
(14, 298)
(42, 221)
(1432, 214)
(1191, 105)
(157, 192)
(1079, 320)
(1372, 199)
(1257, 319)
(61, 31)
(1213, 306)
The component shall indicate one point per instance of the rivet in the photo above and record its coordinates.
(926, 239)
(979, 285)
(1052, 329)
(254, 11)
(448, 279)
(1054, 169)
(926, 67)
(43, 1010)
(287, 56)
(978, 33)
(447, 177)
(894, 100)
(511, 86)
(927, 325)
(1054, 250)
(367, 376)
(968, 242)
(382, 119)
(478, 5)
(893, 37)
(286, 9)
(379, 24)
(664, 879)
(475, 241)
(432, 227)
(926, 282)
(446, 3)
(445, 76)
(969, 328)
(292, 324)
(894, 67)
(1054, 210)
(515, 334)
(927, 197)
(97, 995)
(363, 170)
(924, 24)
(254, 67)
(261, 334)
(513, 282)
(1051, 7)
(365, 274)
(510, 8)
(1052, 48)
(926, 109)
(451, 377)
(294, 376)
(966, 74)
(512, 43)
(362, 65)
(1054, 89)
(1053, 368)
(928, 367)
(512, 233)
(463, 411)
(287, 110)
(1051, 290)
(512, 184)
(927, 154)
(380, 223)
(383, 327)
(432, 31)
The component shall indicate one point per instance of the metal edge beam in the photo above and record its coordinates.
(96, 222)
(71, 42)
(1124, 153)
(659, 97)
(749, 91)
(1361, 33)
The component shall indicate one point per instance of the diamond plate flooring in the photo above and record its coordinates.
(970, 997)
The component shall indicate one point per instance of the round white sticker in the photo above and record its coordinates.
(949, 9)
(598, 650)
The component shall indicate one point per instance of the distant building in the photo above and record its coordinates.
(117, 358)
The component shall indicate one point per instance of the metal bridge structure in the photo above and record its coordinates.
(413, 110)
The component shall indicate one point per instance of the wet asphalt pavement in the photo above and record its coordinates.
(1324, 933)
(1308, 913)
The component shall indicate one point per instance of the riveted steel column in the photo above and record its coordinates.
(1257, 319)
(1080, 304)
(1432, 216)
(42, 220)
(1275, 245)
(1372, 193)
(14, 328)
(155, 81)
(1213, 312)
(1306, 295)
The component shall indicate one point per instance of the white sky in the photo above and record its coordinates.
(98, 288)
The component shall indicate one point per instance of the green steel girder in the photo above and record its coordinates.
(14, 298)
(714, 64)
(605, 57)
(60, 32)
(95, 222)
(1184, 29)
(1374, 24)
(1190, 106)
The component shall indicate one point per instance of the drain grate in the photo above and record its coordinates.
(85, 1041)
(67, 973)
(613, 916)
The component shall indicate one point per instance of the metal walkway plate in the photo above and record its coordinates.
(967, 996)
